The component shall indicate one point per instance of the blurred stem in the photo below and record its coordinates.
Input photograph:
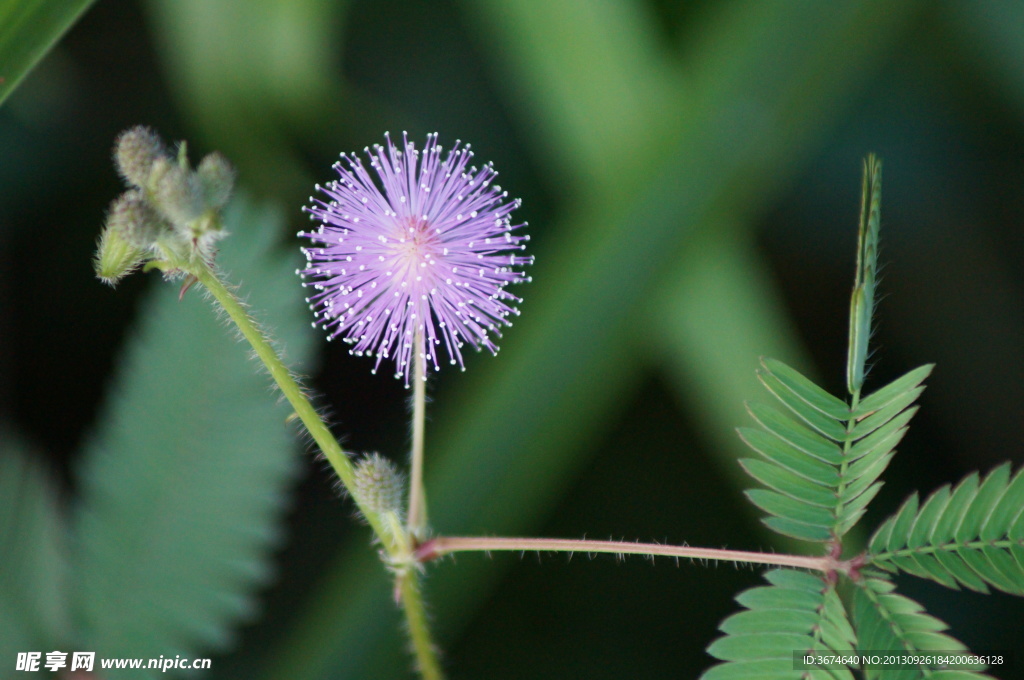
(419, 632)
(397, 549)
(443, 545)
(417, 497)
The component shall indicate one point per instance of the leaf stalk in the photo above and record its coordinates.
(445, 545)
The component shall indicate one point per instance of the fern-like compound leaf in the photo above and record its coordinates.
(822, 458)
(889, 624)
(34, 555)
(971, 536)
(183, 483)
(797, 614)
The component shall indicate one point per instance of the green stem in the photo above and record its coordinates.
(419, 631)
(291, 390)
(397, 549)
(417, 497)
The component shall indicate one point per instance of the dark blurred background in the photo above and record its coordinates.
(691, 176)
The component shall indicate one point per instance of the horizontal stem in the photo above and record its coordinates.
(443, 545)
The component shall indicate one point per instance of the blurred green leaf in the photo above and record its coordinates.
(247, 73)
(991, 33)
(717, 314)
(594, 78)
(184, 483)
(33, 546)
(28, 30)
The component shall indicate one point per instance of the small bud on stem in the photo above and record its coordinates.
(135, 220)
(135, 152)
(115, 257)
(217, 178)
(379, 486)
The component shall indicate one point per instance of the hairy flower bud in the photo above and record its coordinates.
(177, 193)
(135, 220)
(115, 256)
(379, 485)
(135, 152)
(171, 213)
(217, 178)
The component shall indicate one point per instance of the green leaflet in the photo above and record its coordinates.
(797, 613)
(882, 397)
(965, 536)
(792, 433)
(807, 391)
(888, 622)
(883, 439)
(781, 505)
(183, 484)
(788, 483)
(33, 546)
(823, 467)
(819, 422)
(883, 416)
(789, 458)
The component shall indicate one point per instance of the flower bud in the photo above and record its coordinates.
(172, 213)
(176, 193)
(135, 220)
(115, 256)
(379, 486)
(217, 178)
(135, 152)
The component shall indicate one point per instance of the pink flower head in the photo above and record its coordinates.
(419, 259)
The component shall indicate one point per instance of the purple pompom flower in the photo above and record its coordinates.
(419, 261)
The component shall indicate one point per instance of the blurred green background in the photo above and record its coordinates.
(691, 176)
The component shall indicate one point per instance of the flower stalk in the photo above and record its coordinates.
(417, 519)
